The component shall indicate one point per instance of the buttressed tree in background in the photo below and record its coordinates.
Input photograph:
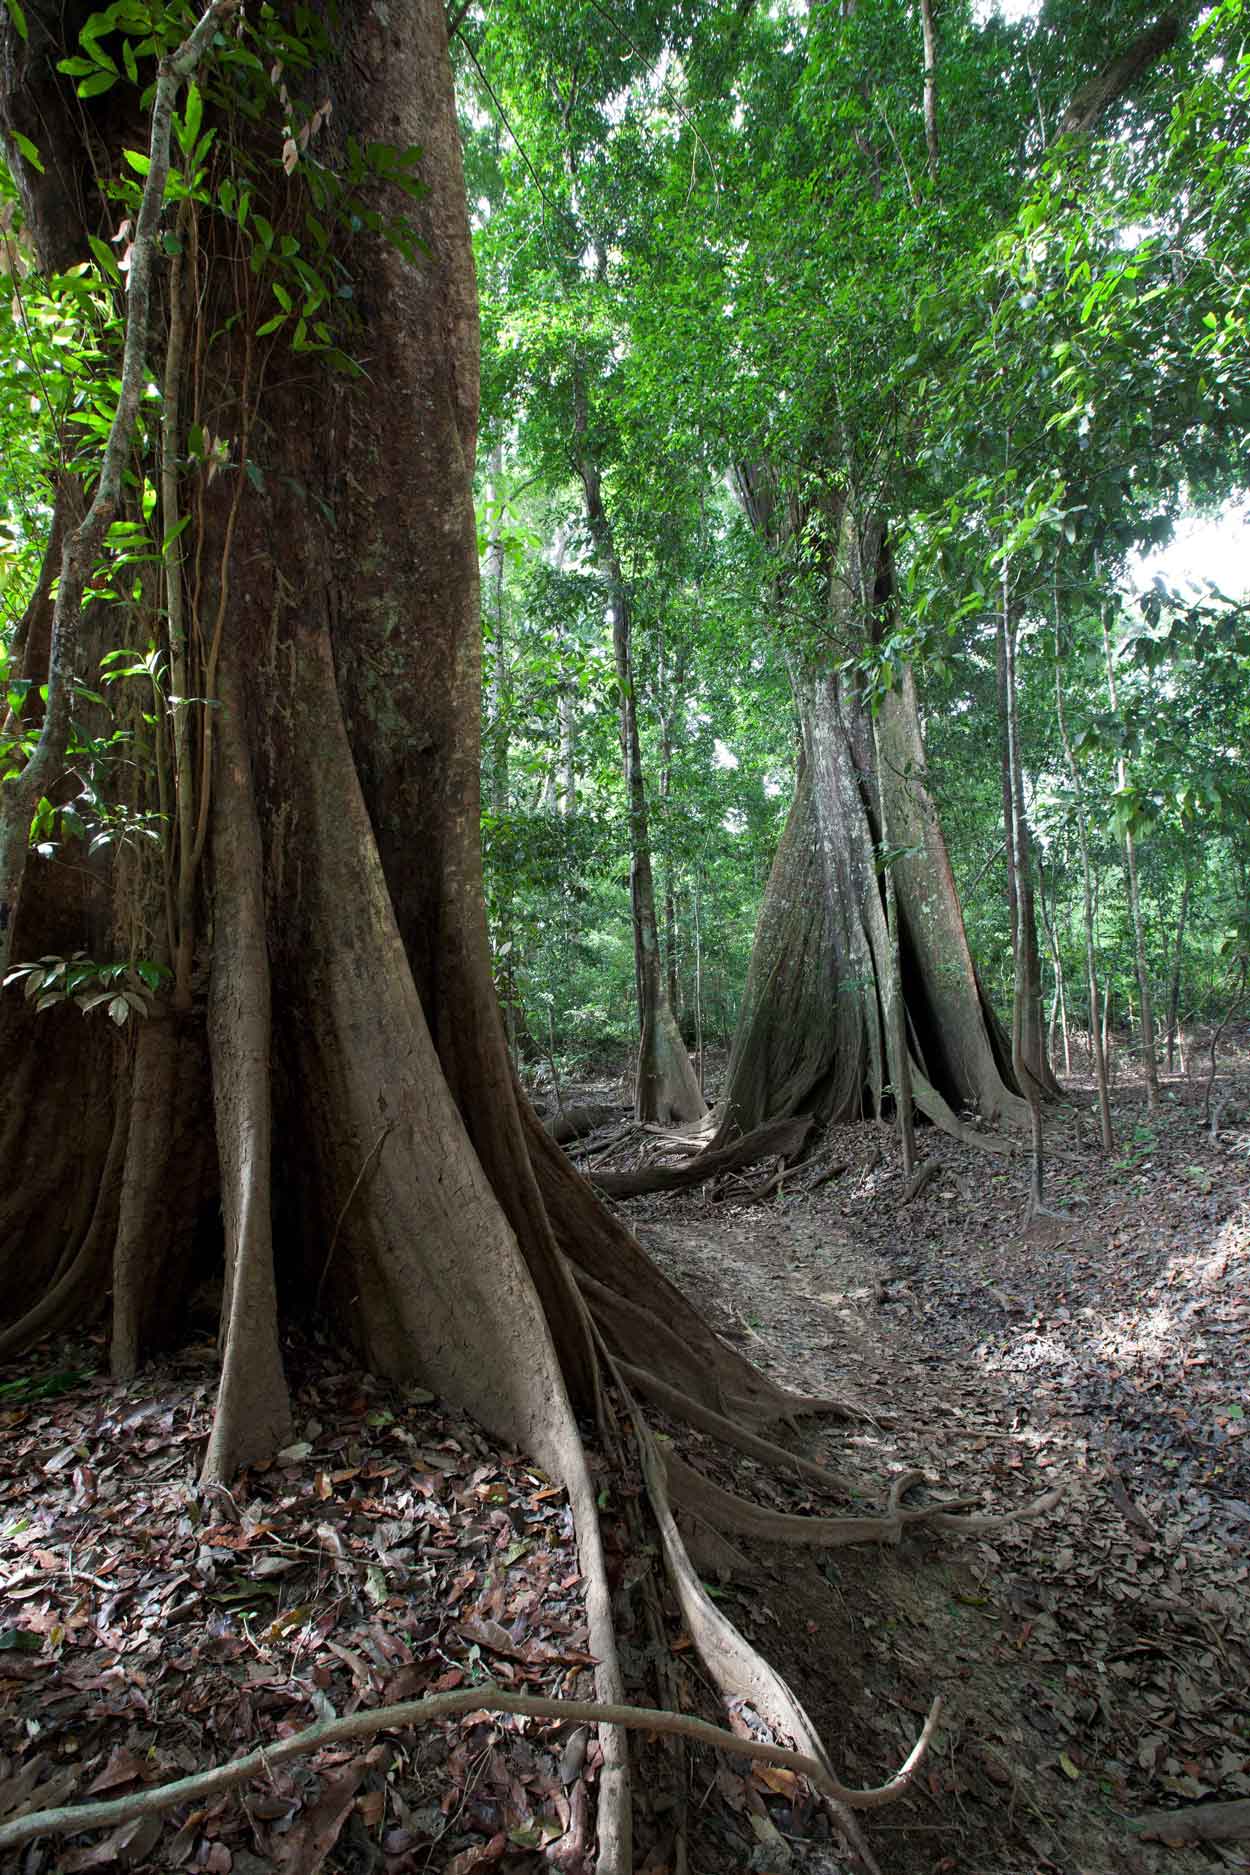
(826, 428)
(321, 1063)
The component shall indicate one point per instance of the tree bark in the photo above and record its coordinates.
(1097, 1038)
(1150, 1063)
(1174, 980)
(812, 1034)
(666, 1087)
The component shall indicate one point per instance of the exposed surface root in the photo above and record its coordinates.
(682, 1407)
(73, 1818)
(781, 1138)
(922, 1176)
(943, 1115)
(569, 1123)
(1203, 1822)
(738, 1668)
(739, 1517)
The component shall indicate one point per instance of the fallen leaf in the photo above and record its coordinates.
(305, 1848)
(123, 1767)
(129, 1844)
(480, 1856)
(776, 1778)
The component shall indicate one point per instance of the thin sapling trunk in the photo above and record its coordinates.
(1149, 1058)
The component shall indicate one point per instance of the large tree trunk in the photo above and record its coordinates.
(813, 1033)
(373, 1161)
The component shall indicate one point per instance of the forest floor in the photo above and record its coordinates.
(1094, 1665)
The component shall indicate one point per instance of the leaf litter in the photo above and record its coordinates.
(1096, 1664)
(390, 1551)
(1093, 1666)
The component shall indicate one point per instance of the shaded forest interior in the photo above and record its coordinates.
(625, 929)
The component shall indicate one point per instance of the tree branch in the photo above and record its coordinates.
(1118, 75)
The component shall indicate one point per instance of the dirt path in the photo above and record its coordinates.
(1094, 1665)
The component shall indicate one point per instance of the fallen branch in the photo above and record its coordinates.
(781, 1137)
(71, 1818)
(1202, 1822)
(828, 1175)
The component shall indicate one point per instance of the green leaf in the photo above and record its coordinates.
(18, 18)
(19, 1640)
(139, 160)
(26, 147)
(94, 86)
(192, 118)
(105, 258)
